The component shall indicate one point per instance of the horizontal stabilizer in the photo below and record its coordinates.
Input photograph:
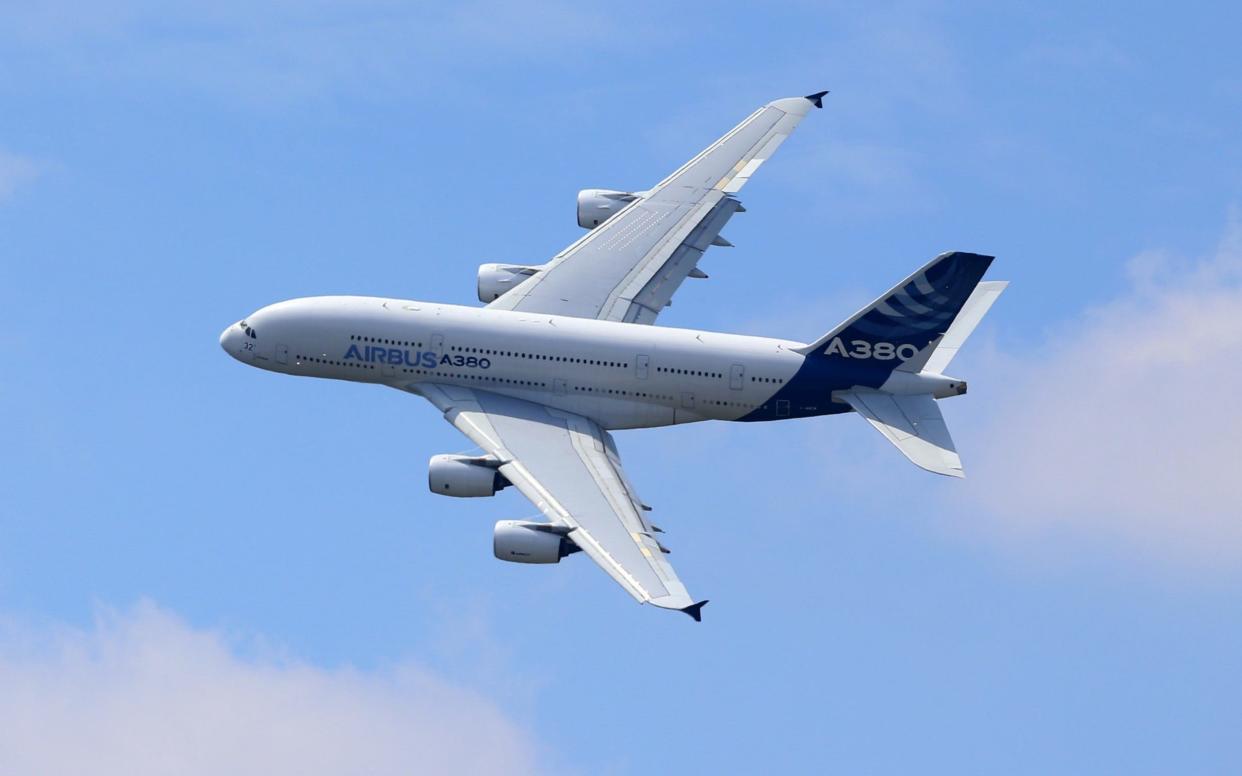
(911, 422)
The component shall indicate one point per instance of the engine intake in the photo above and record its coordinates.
(464, 477)
(495, 279)
(595, 206)
(523, 541)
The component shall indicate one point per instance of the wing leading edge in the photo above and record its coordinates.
(629, 267)
(569, 469)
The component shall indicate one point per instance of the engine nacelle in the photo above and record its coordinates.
(595, 206)
(523, 541)
(496, 279)
(464, 477)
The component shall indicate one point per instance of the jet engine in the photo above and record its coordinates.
(524, 541)
(496, 279)
(464, 477)
(595, 206)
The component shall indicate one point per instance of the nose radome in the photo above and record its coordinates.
(228, 340)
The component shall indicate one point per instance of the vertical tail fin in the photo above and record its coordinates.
(910, 320)
(903, 341)
(977, 306)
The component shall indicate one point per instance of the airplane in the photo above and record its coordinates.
(564, 353)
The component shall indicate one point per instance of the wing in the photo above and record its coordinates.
(629, 267)
(569, 468)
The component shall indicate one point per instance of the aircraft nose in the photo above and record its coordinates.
(228, 340)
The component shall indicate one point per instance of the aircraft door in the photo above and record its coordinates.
(282, 354)
(736, 373)
(687, 400)
(642, 365)
(437, 345)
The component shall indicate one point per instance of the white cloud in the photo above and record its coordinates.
(1127, 427)
(144, 693)
(15, 171)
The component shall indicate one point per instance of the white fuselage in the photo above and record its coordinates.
(621, 375)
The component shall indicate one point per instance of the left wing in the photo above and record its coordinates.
(629, 267)
(569, 468)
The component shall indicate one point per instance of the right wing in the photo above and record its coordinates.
(628, 268)
(569, 469)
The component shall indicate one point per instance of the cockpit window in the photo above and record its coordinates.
(246, 328)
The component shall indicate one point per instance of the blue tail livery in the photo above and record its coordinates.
(916, 313)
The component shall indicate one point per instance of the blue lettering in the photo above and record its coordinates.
(427, 359)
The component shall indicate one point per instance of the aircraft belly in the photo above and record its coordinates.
(611, 414)
(687, 416)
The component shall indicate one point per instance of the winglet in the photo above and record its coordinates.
(695, 610)
(817, 99)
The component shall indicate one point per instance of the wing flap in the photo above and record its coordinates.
(650, 288)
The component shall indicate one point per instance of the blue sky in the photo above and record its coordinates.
(210, 569)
